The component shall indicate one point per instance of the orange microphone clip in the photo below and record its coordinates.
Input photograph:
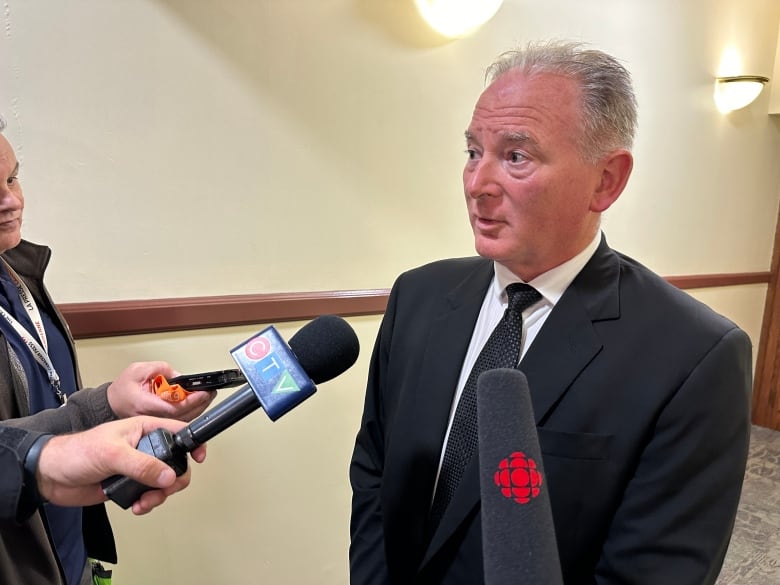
(166, 391)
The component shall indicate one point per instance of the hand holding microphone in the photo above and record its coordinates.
(279, 378)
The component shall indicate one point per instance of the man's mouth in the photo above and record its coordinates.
(10, 222)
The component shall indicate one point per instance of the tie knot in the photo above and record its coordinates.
(521, 296)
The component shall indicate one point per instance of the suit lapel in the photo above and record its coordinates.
(413, 456)
(443, 358)
(568, 340)
(456, 324)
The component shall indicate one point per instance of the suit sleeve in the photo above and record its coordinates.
(676, 518)
(367, 560)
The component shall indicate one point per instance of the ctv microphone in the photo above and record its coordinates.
(280, 378)
(518, 535)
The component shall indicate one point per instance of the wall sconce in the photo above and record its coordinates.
(456, 18)
(733, 93)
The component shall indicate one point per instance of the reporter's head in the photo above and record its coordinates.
(11, 197)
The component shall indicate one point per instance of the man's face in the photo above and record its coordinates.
(11, 198)
(528, 190)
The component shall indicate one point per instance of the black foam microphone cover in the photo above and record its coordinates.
(325, 347)
(518, 535)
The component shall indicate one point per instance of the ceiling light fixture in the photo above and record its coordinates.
(457, 18)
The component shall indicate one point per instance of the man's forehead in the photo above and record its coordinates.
(520, 107)
(4, 144)
(519, 89)
(7, 156)
(508, 123)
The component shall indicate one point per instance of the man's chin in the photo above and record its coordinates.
(489, 250)
(9, 241)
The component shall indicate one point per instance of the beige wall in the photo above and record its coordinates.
(194, 147)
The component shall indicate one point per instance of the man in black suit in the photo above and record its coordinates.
(640, 392)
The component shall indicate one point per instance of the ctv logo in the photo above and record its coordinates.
(269, 366)
(257, 348)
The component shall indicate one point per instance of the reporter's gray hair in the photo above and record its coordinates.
(2, 123)
(609, 107)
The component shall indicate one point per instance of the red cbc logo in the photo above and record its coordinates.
(518, 478)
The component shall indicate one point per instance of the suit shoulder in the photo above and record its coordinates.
(447, 272)
(645, 287)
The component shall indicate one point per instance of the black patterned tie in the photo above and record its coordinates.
(502, 350)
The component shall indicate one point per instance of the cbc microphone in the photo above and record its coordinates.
(518, 535)
(280, 378)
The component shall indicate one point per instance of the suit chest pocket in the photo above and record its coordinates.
(574, 445)
(582, 483)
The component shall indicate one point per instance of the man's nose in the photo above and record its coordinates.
(5, 191)
(480, 178)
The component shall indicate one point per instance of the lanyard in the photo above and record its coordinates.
(38, 350)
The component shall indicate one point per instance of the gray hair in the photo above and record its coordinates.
(2, 123)
(609, 107)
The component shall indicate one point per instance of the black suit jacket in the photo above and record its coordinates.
(641, 398)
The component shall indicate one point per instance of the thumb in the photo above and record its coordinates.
(148, 470)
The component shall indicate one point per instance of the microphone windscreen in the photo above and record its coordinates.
(325, 347)
(518, 535)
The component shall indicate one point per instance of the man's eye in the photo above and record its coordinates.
(471, 153)
(12, 180)
(516, 157)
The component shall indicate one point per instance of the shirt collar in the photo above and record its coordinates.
(551, 284)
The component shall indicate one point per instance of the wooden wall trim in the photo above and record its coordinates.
(718, 280)
(113, 318)
(766, 407)
(107, 319)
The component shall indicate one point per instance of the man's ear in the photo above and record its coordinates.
(615, 170)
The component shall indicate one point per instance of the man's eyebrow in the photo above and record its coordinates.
(517, 137)
(16, 170)
(509, 137)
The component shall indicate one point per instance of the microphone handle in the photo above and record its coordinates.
(209, 424)
(160, 444)
(173, 449)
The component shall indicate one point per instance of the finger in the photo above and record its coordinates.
(154, 405)
(199, 398)
(148, 501)
(151, 369)
(199, 454)
(181, 483)
(193, 405)
(146, 469)
(153, 498)
(186, 409)
(152, 423)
